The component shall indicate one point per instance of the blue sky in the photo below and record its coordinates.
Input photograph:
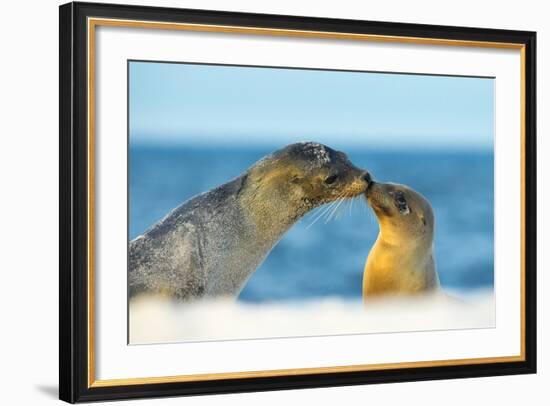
(206, 104)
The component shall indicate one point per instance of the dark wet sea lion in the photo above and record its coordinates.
(402, 258)
(212, 243)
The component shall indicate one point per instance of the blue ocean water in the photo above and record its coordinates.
(328, 259)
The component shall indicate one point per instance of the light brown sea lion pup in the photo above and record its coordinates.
(211, 244)
(402, 258)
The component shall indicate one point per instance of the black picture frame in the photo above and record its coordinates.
(74, 199)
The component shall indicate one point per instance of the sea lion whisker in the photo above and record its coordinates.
(335, 209)
(322, 211)
(342, 209)
(318, 215)
(347, 198)
(366, 206)
(338, 212)
(338, 201)
(349, 202)
(329, 215)
(371, 216)
(327, 209)
(332, 206)
(360, 200)
(351, 205)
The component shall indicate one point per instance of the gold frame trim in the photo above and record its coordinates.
(94, 22)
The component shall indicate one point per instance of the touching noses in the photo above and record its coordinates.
(367, 178)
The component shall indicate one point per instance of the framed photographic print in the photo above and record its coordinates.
(254, 202)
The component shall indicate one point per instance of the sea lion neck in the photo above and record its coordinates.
(391, 235)
(273, 207)
(404, 233)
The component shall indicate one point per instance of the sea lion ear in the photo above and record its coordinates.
(296, 179)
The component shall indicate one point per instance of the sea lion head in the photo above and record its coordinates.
(302, 176)
(402, 212)
(317, 174)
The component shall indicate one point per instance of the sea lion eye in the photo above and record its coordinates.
(331, 179)
(401, 202)
(400, 198)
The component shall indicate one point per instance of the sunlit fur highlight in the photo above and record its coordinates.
(402, 258)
